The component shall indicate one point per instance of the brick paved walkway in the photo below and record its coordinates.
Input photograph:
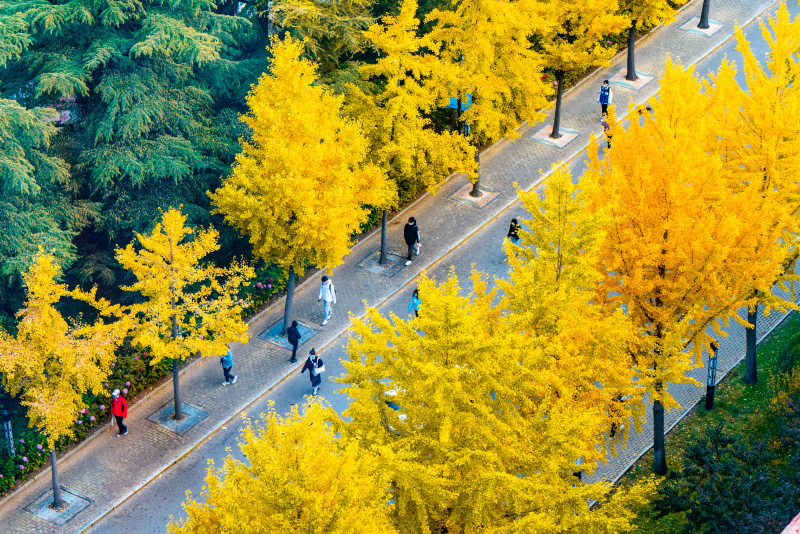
(108, 469)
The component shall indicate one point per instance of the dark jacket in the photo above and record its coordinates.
(411, 233)
(312, 365)
(293, 335)
(513, 230)
(119, 406)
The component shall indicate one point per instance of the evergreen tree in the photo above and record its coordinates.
(38, 204)
(152, 89)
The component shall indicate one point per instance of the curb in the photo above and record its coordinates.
(433, 263)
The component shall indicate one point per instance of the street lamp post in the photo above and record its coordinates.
(711, 383)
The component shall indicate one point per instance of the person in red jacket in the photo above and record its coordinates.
(119, 410)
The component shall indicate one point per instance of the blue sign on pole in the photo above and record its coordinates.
(465, 104)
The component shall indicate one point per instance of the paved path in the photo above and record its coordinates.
(108, 470)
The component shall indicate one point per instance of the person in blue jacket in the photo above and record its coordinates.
(414, 304)
(227, 365)
(315, 367)
(605, 97)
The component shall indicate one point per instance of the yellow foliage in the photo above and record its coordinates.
(188, 307)
(756, 132)
(480, 442)
(485, 51)
(53, 363)
(403, 141)
(650, 11)
(573, 37)
(549, 299)
(299, 476)
(681, 253)
(301, 186)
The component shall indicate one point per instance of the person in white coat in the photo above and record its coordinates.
(327, 294)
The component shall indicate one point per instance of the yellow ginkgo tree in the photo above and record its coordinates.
(396, 117)
(574, 39)
(645, 12)
(302, 474)
(549, 296)
(466, 419)
(757, 134)
(50, 362)
(302, 184)
(681, 253)
(185, 306)
(489, 67)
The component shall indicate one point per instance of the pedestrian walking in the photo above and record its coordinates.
(293, 336)
(606, 129)
(119, 411)
(414, 304)
(605, 97)
(227, 365)
(327, 294)
(411, 235)
(315, 367)
(513, 231)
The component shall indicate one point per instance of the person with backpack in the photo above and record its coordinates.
(293, 337)
(315, 367)
(119, 411)
(605, 97)
(227, 365)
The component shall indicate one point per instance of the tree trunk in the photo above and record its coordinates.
(750, 365)
(57, 502)
(176, 389)
(704, 15)
(383, 240)
(631, 74)
(659, 451)
(556, 134)
(287, 310)
(476, 187)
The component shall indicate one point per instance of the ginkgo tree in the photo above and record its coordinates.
(645, 12)
(549, 294)
(50, 362)
(466, 422)
(185, 306)
(573, 39)
(302, 474)
(680, 253)
(756, 132)
(396, 119)
(486, 57)
(302, 183)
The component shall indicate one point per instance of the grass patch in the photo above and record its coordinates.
(744, 410)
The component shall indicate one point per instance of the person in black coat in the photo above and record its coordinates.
(293, 336)
(513, 231)
(315, 367)
(411, 235)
